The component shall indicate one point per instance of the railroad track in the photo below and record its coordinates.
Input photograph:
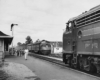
(59, 62)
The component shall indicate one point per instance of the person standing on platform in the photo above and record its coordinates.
(26, 54)
(17, 52)
(20, 52)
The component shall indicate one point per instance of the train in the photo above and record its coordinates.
(41, 47)
(81, 41)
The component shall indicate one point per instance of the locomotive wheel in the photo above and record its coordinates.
(66, 61)
(78, 64)
(81, 64)
(74, 65)
(71, 63)
(91, 68)
(64, 58)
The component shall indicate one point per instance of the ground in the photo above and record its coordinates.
(16, 71)
(50, 71)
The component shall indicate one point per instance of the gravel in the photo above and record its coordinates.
(15, 71)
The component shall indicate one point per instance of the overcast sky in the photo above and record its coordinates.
(40, 19)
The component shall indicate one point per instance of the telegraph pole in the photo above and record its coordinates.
(12, 29)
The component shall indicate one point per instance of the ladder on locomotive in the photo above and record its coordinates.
(74, 43)
(74, 48)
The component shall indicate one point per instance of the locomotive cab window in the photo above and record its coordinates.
(68, 26)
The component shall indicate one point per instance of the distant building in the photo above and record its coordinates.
(56, 43)
(56, 47)
(5, 41)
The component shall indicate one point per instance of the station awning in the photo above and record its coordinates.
(6, 37)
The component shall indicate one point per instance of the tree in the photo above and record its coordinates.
(19, 43)
(28, 40)
(38, 40)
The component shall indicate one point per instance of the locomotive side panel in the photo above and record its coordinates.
(90, 40)
(96, 37)
(84, 45)
(67, 43)
(96, 47)
(33, 48)
(29, 47)
(37, 48)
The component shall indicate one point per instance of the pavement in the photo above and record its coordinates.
(47, 70)
(18, 71)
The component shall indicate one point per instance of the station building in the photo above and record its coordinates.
(56, 47)
(5, 41)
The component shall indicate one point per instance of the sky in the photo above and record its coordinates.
(40, 19)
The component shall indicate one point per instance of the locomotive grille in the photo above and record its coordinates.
(89, 19)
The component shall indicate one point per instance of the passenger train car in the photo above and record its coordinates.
(81, 41)
(42, 47)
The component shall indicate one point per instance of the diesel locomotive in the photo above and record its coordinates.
(42, 47)
(81, 41)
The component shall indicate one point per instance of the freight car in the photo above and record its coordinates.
(81, 41)
(42, 47)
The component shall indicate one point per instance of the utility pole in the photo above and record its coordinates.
(12, 25)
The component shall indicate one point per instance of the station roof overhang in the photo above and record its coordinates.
(6, 37)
